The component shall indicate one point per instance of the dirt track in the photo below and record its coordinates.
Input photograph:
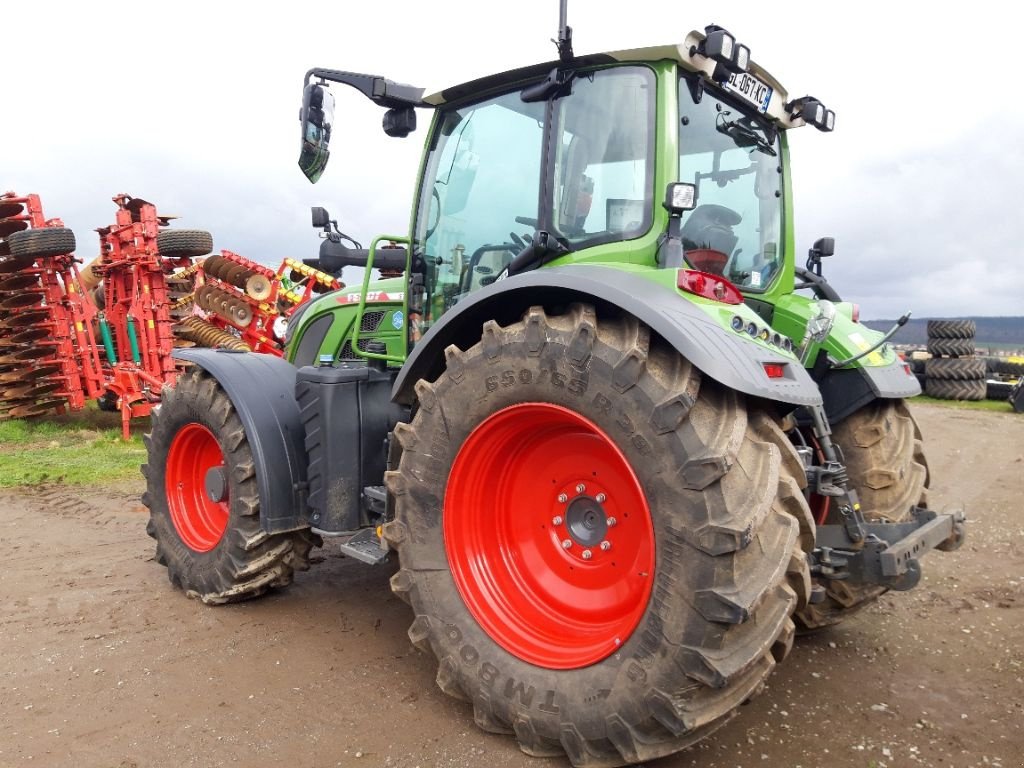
(104, 664)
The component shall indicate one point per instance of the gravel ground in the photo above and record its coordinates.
(104, 664)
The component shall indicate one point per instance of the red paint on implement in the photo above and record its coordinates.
(547, 604)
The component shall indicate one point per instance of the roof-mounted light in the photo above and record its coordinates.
(813, 112)
(721, 47)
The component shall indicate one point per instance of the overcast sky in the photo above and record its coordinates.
(193, 106)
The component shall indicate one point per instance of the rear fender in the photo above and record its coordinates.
(725, 356)
(262, 390)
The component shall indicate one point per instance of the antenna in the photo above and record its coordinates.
(564, 41)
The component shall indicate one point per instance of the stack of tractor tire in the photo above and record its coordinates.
(953, 372)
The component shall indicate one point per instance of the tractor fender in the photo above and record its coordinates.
(847, 390)
(727, 357)
(262, 390)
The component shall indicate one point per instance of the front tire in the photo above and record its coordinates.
(885, 463)
(204, 503)
(638, 650)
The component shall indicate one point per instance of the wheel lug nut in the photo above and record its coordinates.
(566, 543)
(581, 488)
(605, 546)
(562, 498)
(601, 498)
(556, 520)
(587, 554)
(610, 521)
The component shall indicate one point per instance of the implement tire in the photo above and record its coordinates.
(42, 242)
(213, 549)
(885, 460)
(545, 439)
(184, 243)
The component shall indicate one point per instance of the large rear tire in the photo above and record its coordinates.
(884, 454)
(204, 503)
(510, 474)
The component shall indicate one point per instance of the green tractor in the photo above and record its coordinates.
(617, 458)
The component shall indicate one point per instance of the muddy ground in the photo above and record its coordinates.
(103, 664)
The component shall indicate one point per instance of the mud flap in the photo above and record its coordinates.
(262, 389)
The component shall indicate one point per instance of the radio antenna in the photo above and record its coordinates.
(564, 41)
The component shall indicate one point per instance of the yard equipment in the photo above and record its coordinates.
(246, 305)
(45, 339)
(618, 455)
(103, 332)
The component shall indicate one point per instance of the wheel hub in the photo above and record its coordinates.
(216, 483)
(586, 521)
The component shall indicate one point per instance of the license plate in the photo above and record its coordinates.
(751, 89)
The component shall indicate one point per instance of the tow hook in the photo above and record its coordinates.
(889, 554)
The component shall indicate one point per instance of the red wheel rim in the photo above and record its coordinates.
(527, 480)
(194, 459)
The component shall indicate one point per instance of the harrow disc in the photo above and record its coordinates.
(33, 353)
(35, 374)
(15, 263)
(18, 282)
(21, 300)
(36, 409)
(10, 209)
(10, 226)
(213, 266)
(29, 335)
(33, 390)
(24, 319)
(258, 287)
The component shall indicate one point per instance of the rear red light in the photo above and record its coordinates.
(855, 313)
(775, 370)
(907, 370)
(708, 286)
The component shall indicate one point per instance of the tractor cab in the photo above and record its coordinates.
(568, 162)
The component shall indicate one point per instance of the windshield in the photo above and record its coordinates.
(604, 158)
(735, 161)
(480, 196)
(487, 173)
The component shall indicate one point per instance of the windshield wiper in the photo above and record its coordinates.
(745, 136)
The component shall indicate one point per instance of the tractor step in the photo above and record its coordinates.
(365, 547)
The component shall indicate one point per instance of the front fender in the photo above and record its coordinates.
(262, 390)
(729, 358)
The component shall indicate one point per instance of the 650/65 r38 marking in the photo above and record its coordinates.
(524, 457)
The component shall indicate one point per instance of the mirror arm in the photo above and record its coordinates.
(377, 89)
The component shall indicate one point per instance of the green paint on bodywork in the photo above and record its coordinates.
(792, 312)
(344, 304)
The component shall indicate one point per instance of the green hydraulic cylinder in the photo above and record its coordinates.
(134, 341)
(108, 341)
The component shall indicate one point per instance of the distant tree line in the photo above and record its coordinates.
(998, 331)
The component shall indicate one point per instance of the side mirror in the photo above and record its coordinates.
(321, 218)
(317, 119)
(823, 246)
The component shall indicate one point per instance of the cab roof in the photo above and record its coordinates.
(677, 52)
